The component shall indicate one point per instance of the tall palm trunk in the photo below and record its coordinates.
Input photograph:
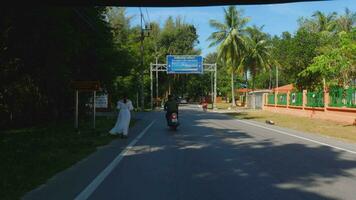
(233, 89)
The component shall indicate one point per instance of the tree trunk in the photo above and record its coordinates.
(232, 89)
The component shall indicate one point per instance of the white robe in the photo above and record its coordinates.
(123, 119)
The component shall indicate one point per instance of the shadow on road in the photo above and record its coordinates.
(221, 163)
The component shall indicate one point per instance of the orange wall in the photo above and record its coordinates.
(348, 116)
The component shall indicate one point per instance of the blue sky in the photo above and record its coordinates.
(276, 18)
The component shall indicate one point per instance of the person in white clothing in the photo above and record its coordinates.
(123, 119)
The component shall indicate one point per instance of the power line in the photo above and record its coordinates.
(149, 20)
(142, 16)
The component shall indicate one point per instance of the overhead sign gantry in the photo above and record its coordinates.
(184, 64)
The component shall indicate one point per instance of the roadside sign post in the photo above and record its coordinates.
(89, 86)
(76, 109)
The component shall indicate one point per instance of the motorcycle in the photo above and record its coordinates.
(205, 107)
(173, 122)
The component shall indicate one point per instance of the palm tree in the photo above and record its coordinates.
(230, 38)
(346, 21)
(320, 22)
(258, 57)
(325, 22)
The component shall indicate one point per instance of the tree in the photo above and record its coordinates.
(177, 37)
(258, 56)
(223, 80)
(320, 22)
(42, 50)
(294, 54)
(232, 43)
(337, 64)
(347, 21)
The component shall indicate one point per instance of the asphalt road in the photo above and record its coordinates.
(213, 156)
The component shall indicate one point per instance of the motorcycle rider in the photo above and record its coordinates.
(171, 106)
(204, 104)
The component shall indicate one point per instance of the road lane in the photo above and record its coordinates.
(213, 156)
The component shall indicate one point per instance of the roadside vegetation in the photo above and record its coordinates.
(43, 49)
(323, 127)
(29, 156)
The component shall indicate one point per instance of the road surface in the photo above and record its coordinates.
(213, 156)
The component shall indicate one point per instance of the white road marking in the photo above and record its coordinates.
(85, 194)
(296, 136)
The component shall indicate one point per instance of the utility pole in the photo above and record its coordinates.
(141, 81)
(142, 70)
(156, 81)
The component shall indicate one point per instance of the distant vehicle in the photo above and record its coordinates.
(183, 101)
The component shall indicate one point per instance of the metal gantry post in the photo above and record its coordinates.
(151, 86)
(215, 83)
(212, 89)
(156, 81)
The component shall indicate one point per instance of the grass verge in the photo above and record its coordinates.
(319, 126)
(30, 156)
(223, 105)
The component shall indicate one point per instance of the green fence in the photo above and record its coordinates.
(351, 97)
(315, 99)
(336, 97)
(270, 98)
(282, 99)
(340, 97)
(296, 99)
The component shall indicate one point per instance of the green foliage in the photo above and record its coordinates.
(30, 156)
(175, 37)
(337, 63)
(232, 43)
(42, 50)
(258, 56)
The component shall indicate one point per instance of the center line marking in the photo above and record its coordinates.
(85, 194)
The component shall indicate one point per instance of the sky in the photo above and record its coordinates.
(276, 18)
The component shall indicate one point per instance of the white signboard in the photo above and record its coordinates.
(101, 101)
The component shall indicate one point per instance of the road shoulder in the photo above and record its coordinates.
(70, 182)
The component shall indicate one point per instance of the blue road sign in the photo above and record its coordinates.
(179, 64)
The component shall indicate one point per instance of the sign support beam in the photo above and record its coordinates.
(163, 68)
